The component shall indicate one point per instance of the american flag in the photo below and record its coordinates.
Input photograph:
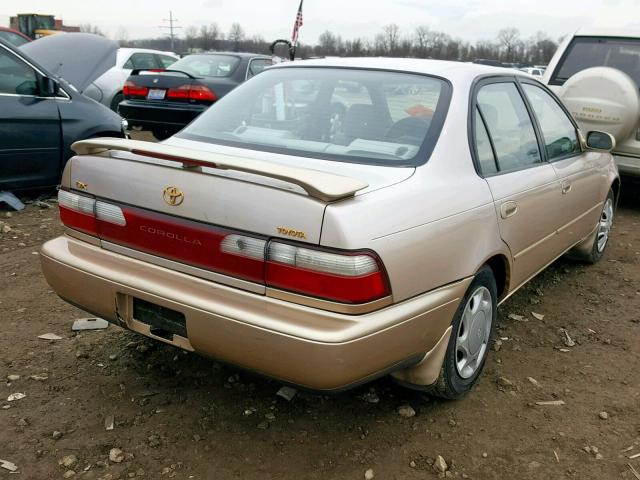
(297, 25)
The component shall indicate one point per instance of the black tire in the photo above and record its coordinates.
(596, 252)
(115, 103)
(451, 384)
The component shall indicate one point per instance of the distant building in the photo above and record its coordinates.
(34, 25)
(65, 28)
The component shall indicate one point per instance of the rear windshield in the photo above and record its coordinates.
(362, 116)
(207, 65)
(13, 38)
(587, 52)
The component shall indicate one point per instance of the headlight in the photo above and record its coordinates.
(124, 124)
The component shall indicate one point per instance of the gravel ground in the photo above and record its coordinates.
(178, 415)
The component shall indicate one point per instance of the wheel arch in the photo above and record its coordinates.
(615, 186)
(501, 268)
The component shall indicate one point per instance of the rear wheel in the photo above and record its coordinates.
(604, 230)
(470, 339)
(115, 103)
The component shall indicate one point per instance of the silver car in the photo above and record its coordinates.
(331, 221)
(107, 89)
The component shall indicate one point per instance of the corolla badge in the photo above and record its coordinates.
(173, 196)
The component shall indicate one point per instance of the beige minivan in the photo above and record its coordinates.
(332, 221)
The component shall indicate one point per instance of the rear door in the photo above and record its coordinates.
(30, 153)
(578, 173)
(524, 187)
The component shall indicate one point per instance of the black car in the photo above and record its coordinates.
(166, 101)
(41, 114)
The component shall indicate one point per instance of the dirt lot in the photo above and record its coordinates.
(179, 415)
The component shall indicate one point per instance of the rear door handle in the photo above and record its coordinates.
(508, 209)
(566, 187)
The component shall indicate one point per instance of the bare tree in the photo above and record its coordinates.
(327, 43)
(509, 38)
(89, 28)
(210, 35)
(391, 34)
(122, 36)
(422, 33)
(541, 48)
(236, 35)
(190, 37)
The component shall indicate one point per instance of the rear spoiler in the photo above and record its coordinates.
(321, 185)
(137, 71)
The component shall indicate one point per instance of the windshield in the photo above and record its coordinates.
(363, 116)
(13, 38)
(587, 52)
(207, 65)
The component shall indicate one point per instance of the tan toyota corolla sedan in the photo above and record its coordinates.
(332, 221)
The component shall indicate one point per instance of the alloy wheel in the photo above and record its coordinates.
(473, 334)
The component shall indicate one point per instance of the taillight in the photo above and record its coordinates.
(180, 93)
(332, 275)
(131, 90)
(342, 277)
(78, 212)
(198, 93)
(85, 214)
(202, 93)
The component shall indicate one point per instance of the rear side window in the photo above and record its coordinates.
(13, 38)
(208, 65)
(484, 150)
(166, 61)
(509, 126)
(257, 65)
(16, 77)
(560, 137)
(586, 52)
(342, 114)
(141, 61)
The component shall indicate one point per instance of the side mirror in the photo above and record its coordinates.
(48, 87)
(600, 141)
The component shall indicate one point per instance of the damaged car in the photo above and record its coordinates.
(42, 112)
(325, 246)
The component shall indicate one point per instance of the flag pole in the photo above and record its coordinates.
(296, 31)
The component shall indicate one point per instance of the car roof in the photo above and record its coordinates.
(235, 54)
(17, 32)
(144, 50)
(608, 32)
(441, 68)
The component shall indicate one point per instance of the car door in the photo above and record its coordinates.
(525, 188)
(30, 153)
(578, 172)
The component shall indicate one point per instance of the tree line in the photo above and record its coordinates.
(423, 42)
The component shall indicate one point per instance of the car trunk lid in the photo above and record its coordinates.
(167, 86)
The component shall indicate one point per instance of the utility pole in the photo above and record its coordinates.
(171, 28)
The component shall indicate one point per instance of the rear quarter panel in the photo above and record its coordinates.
(437, 227)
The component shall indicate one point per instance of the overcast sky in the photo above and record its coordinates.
(468, 19)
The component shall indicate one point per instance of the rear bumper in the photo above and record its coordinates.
(301, 345)
(170, 116)
(629, 166)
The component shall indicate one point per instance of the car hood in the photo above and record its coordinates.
(78, 58)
